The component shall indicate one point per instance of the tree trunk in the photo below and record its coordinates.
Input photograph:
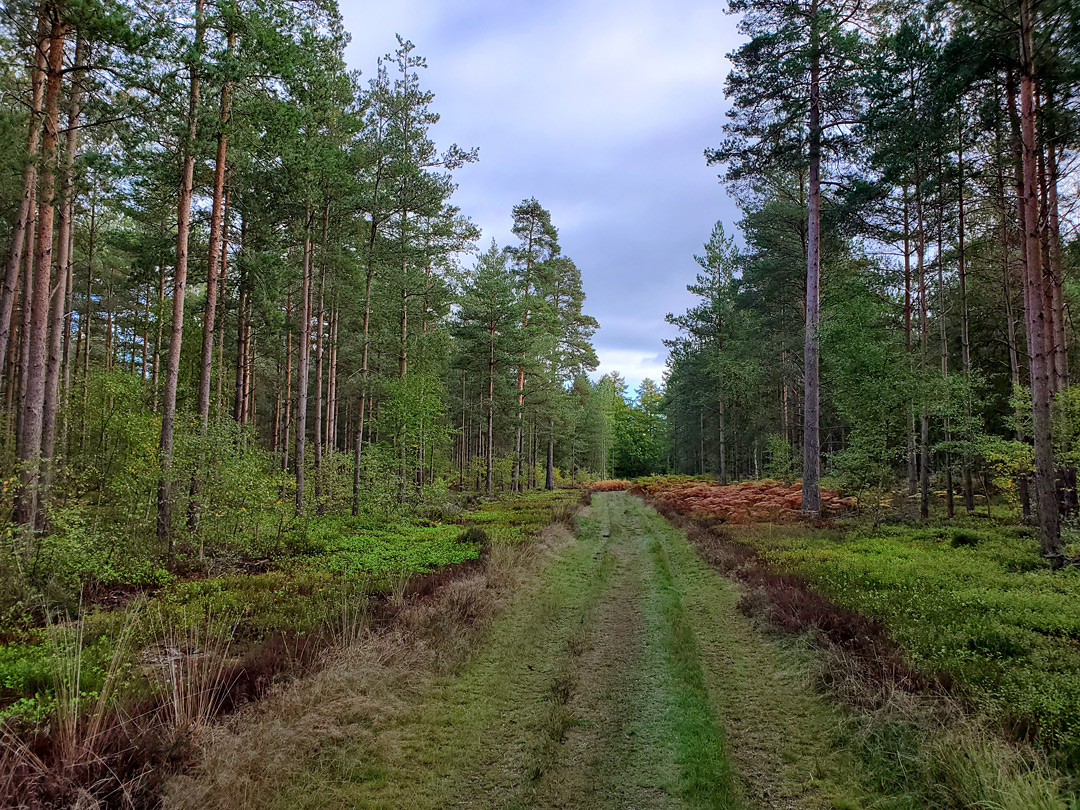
(303, 365)
(217, 230)
(811, 492)
(21, 242)
(60, 292)
(924, 434)
(183, 227)
(156, 363)
(358, 444)
(912, 465)
(1045, 477)
(965, 341)
(950, 506)
(1061, 353)
(317, 428)
(221, 315)
(331, 385)
(288, 383)
(34, 383)
(549, 476)
(489, 458)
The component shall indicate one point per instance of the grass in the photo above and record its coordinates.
(907, 751)
(318, 584)
(707, 777)
(977, 604)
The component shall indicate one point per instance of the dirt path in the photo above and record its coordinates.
(622, 677)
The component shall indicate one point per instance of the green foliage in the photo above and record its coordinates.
(976, 602)
(782, 462)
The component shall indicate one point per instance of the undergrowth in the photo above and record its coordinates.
(172, 660)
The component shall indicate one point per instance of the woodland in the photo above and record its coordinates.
(262, 383)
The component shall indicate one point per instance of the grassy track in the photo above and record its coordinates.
(620, 676)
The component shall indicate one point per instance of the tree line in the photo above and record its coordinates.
(899, 306)
(236, 281)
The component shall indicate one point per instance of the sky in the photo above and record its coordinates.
(602, 110)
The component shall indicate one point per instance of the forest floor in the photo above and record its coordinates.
(616, 672)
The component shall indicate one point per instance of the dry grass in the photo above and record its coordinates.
(366, 685)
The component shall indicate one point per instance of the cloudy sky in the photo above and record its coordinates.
(601, 109)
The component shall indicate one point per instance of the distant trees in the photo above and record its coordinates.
(918, 156)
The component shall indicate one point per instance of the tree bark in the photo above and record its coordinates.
(58, 337)
(21, 242)
(317, 412)
(965, 341)
(488, 456)
(1045, 473)
(288, 383)
(811, 491)
(217, 230)
(924, 433)
(303, 365)
(31, 421)
(183, 228)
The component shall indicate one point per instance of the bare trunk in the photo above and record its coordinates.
(60, 291)
(965, 341)
(31, 421)
(489, 457)
(358, 444)
(220, 326)
(924, 434)
(21, 241)
(1045, 479)
(811, 492)
(317, 412)
(288, 383)
(303, 366)
(217, 229)
(183, 223)
(156, 364)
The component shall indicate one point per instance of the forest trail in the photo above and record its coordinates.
(623, 677)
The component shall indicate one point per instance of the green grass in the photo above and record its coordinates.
(333, 562)
(707, 777)
(975, 601)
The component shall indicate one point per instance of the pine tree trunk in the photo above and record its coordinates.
(303, 365)
(317, 412)
(31, 421)
(965, 341)
(1041, 362)
(549, 473)
(21, 241)
(221, 314)
(183, 222)
(60, 292)
(217, 230)
(912, 463)
(489, 459)
(1010, 332)
(924, 433)
(358, 444)
(1061, 354)
(811, 492)
(156, 364)
(950, 506)
(288, 383)
(239, 399)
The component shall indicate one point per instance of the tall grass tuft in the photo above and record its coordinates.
(79, 714)
(191, 664)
